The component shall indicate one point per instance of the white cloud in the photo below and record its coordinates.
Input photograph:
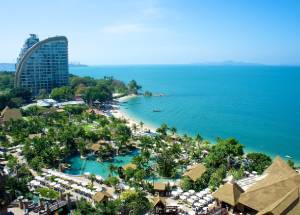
(124, 29)
(152, 12)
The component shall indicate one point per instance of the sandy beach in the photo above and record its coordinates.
(118, 113)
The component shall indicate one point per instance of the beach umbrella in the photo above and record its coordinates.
(32, 182)
(183, 197)
(191, 212)
(179, 190)
(194, 197)
(174, 193)
(93, 193)
(207, 199)
(202, 202)
(37, 183)
(99, 178)
(64, 182)
(210, 196)
(99, 189)
(74, 186)
(52, 184)
(191, 201)
(198, 204)
(191, 191)
(39, 178)
(186, 194)
(173, 204)
(207, 189)
(84, 183)
(200, 195)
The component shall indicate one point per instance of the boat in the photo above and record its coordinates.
(156, 110)
(289, 157)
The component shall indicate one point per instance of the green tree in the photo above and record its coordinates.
(112, 169)
(291, 163)
(258, 162)
(133, 87)
(217, 177)
(100, 92)
(173, 130)
(162, 129)
(83, 207)
(134, 202)
(108, 208)
(92, 178)
(186, 184)
(43, 94)
(62, 93)
(222, 150)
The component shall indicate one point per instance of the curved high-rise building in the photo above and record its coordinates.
(42, 64)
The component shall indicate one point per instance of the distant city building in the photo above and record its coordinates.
(42, 64)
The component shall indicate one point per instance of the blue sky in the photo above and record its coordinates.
(158, 31)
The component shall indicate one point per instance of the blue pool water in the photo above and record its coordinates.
(80, 166)
(259, 105)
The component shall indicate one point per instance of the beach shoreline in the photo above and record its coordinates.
(131, 121)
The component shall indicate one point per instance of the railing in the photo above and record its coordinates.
(55, 207)
(218, 211)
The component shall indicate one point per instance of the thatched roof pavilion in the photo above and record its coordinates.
(158, 200)
(276, 192)
(159, 186)
(101, 196)
(130, 166)
(195, 172)
(96, 147)
(10, 114)
(229, 193)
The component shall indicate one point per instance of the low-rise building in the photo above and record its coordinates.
(277, 192)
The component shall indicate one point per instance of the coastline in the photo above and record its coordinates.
(131, 121)
(119, 113)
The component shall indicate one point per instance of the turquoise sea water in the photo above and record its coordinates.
(259, 105)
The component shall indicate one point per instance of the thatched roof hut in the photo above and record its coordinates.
(229, 193)
(280, 179)
(195, 172)
(159, 186)
(130, 166)
(159, 200)
(101, 196)
(96, 147)
(275, 192)
(10, 114)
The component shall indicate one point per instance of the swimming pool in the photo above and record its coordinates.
(80, 166)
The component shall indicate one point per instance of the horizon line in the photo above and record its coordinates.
(225, 63)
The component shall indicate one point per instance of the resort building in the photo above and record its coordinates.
(277, 192)
(42, 64)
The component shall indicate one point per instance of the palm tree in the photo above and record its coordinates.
(92, 178)
(107, 208)
(112, 169)
(141, 124)
(173, 130)
(134, 127)
(198, 139)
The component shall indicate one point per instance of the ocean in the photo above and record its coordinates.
(258, 105)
